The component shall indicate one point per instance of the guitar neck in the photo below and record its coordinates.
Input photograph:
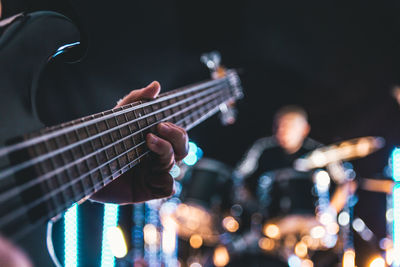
(67, 163)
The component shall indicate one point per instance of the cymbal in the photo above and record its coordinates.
(345, 150)
(377, 185)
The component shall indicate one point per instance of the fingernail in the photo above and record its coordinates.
(164, 127)
(152, 139)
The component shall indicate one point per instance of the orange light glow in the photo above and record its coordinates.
(196, 241)
(230, 224)
(221, 256)
(272, 231)
(301, 249)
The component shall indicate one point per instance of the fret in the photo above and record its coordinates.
(132, 139)
(141, 137)
(38, 150)
(74, 171)
(167, 112)
(51, 182)
(121, 144)
(59, 161)
(145, 111)
(114, 164)
(83, 167)
(172, 110)
(194, 115)
(97, 174)
(139, 124)
(107, 169)
(158, 116)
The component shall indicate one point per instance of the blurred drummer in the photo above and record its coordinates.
(276, 154)
(289, 142)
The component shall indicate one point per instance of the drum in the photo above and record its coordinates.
(206, 190)
(286, 192)
(288, 201)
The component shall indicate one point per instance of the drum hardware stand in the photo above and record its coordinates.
(49, 240)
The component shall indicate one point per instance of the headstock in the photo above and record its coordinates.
(213, 62)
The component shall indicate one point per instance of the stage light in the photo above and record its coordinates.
(195, 264)
(329, 241)
(396, 225)
(294, 261)
(116, 241)
(332, 228)
(358, 225)
(301, 249)
(190, 159)
(349, 258)
(221, 256)
(71, 237)
(322, 180)
(307, 263)
(192, 147)
(169, 239)
(266, 243)
(196, 241)
(230, 224)
(396, 164)
(318, 159)
(326, 218)
(389, 215)
(175, 171)
(344, 218)
(150, 234)
(396, 206)
(272, 231)
(110, 219)
(377, 262)
(389, 256)
(317, 232)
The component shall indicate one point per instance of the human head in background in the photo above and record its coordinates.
(291, 127)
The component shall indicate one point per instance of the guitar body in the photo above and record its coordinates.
(26, 45)
(42, 173)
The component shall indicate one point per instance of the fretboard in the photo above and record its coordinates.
(64, 164)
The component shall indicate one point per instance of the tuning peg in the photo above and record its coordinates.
(212, 60)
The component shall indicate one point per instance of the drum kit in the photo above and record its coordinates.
(291, 219)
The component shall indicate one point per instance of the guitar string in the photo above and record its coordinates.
(10, 193)
(15, 168)
(181, 91)
(24, 209)
(21, 211)
(42, 219)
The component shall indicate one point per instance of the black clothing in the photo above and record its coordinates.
(268, 174)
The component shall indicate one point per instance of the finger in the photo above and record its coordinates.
(163, 150)
(176, 136)
(149, 92)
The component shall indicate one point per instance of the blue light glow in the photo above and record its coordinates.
(110, 219)
(71, 237)
(190, 159)
(396, 206)
(396, 164)
(294, 261)
(192, 147)
(194, 154)
(396, 224)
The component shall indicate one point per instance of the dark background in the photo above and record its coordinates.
(338, 59)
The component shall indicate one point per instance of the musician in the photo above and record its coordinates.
(278, 152)
(275, 156)
(150, 180)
